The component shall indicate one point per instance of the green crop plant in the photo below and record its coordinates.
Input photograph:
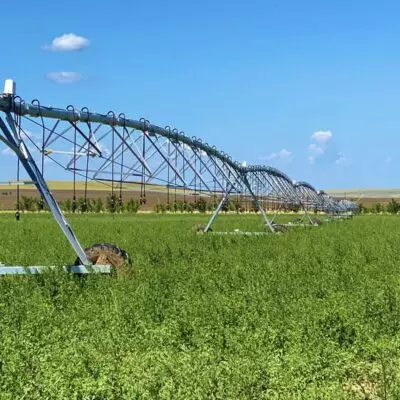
(310, 314)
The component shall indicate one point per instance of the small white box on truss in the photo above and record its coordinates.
(9, 87)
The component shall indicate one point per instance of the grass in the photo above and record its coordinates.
(310, 314)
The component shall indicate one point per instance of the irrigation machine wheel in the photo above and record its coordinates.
(317, 221)
(280, 228)
(108, 254)
(200, 228)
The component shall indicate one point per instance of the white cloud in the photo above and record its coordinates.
(68, 42)
(244, 164)
(7, 152)
(29, 134)
(318, 150)
(64, 77)
(388, 160)
(104, 149)
(322, 136)
(341, 159)
(315, 149)
(282, 154)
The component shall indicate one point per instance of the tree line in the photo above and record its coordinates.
(393, 207)
(114, 204)
(202, 205)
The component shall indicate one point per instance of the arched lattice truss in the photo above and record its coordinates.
(121, 152)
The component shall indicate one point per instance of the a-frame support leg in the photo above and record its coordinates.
(14, 141)
(259, 206)
(218, 210)
(306, 215)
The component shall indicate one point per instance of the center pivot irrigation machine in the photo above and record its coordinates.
(121, 152)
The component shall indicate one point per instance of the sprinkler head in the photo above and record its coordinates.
(9, 87)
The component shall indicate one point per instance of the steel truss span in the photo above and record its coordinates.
(121, 152)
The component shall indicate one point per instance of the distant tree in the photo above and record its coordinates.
(361, 209)
(190, 207)
(132, 206)
(179, 205)
(210, 206)
(40, 204)
(74, 205)
(98, 205)
(393, 207)
(292, 208)
(161, 208)
(225, 205)
(112, 203)
(121, 205)
(201, 205)
(81, 204)
(28, 203)
(378, 208)
(67, 205)
(238, 206)
(254, 206)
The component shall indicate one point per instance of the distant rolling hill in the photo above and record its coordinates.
(365, 196)
(368, 193)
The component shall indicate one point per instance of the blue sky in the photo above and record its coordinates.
(310, 87)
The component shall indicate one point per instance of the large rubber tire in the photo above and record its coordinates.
(201, 228)
(280, 228)
(107, 254)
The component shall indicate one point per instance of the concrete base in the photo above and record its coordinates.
(74, 269)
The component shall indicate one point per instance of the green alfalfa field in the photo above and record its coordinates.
(309, 314)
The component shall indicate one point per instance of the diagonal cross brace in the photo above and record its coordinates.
(18, 146)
